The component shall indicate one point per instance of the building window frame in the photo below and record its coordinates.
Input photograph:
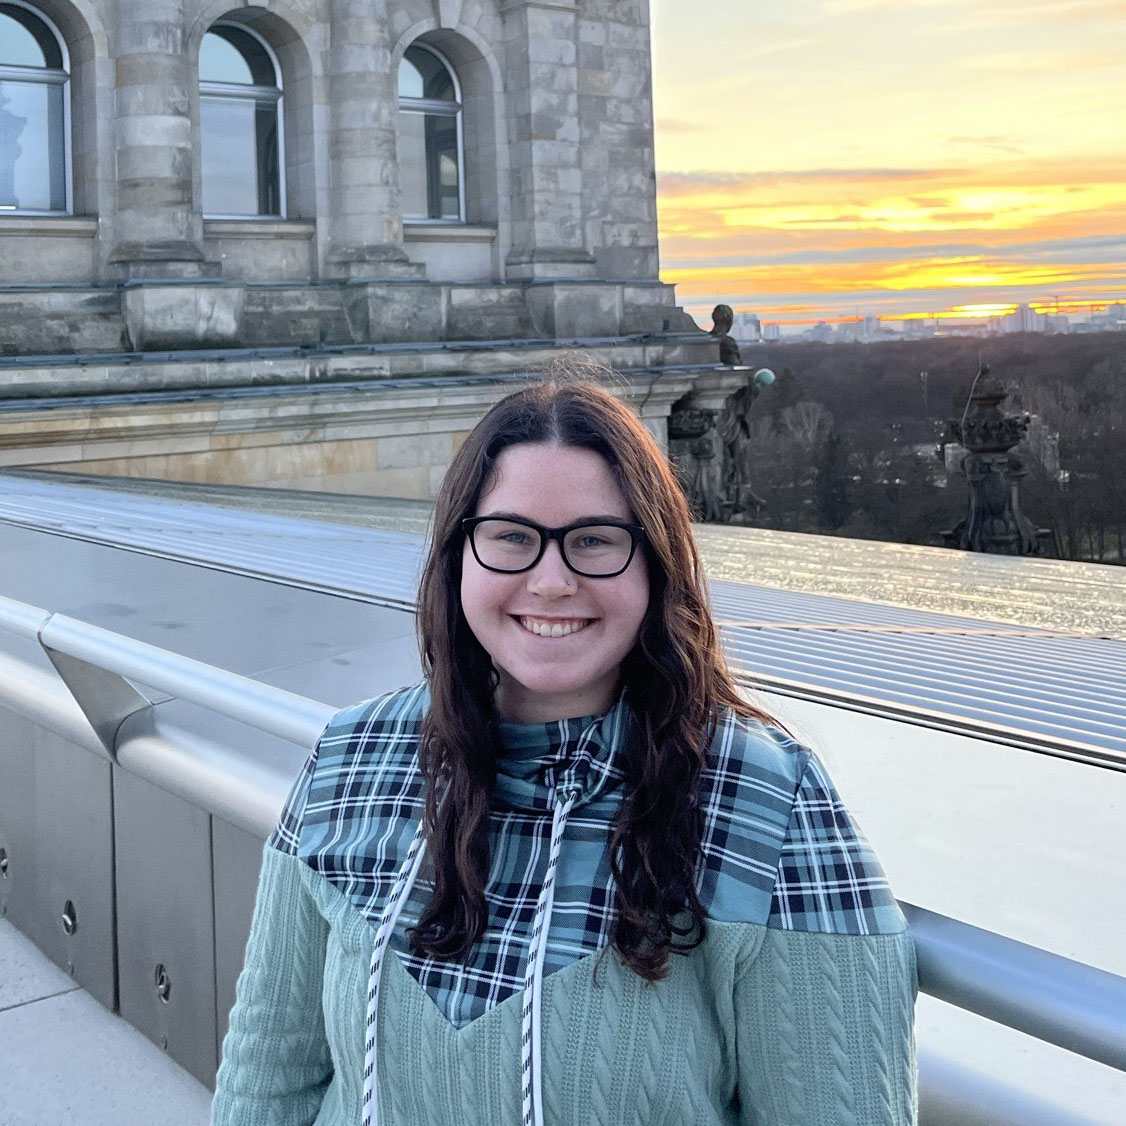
(52, 77)
(256, 95)
(438, 107)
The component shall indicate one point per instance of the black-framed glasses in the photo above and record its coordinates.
(596, 549)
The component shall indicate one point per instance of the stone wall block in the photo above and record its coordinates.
(595, 83)
(566, 311)
(592, 33)
(145, 88)
(153, 162)
(549, 78)
(631, 37)
(161, 130)
(182, 316)
(628, 84)
(629, 113)
(488, 313)
(54, 251)
(406, 312)
(161, 33)
(173, 197)
(412, 450)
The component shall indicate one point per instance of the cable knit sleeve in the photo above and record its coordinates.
(825, 1009)
(824, 1031)
(276, 1062)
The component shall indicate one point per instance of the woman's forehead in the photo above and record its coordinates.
(553, 484)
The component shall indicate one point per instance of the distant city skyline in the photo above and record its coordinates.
(820, 159)
(982, 320)
(975, 320)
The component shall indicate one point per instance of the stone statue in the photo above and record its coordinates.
(734, 429)
(995, 522)
(722, 320)
(697, 453)
(711, 450)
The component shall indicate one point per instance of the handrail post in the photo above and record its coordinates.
(106, 699)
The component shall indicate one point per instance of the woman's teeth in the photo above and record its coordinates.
(553, 629)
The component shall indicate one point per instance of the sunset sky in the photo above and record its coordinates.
(820, 157)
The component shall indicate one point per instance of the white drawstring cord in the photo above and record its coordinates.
(531, 1039)
(408, 873)
(531, 1036)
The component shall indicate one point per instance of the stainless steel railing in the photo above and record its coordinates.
(104, 679)
(1055, 999)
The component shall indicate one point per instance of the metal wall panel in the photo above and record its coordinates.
(236, 859)
(56, 830)
(74, 863)
(17, 791)
(165, 921)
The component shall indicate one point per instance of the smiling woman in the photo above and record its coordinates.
(644, 903)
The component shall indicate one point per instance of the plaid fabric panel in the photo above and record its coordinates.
(747, 793)
(828, 876)
(288, 829)
(354, 811)
(576, 756)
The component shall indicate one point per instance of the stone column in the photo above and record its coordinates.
(541, 63)
(366, 221)
(616, 123)
(156, 233)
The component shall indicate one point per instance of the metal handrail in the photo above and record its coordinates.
(1055, 999)
(291, 717)
(275, 711)
(1052, 998)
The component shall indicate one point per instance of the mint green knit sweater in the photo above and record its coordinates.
(780, 1018)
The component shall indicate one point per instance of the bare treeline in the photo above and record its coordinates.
(848, 440)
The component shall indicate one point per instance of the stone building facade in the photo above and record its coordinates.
(306, 243)
(184, 173)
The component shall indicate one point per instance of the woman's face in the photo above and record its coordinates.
(513, 616)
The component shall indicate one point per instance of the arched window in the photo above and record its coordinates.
(430, 148)
(240, 124)
(33, 112)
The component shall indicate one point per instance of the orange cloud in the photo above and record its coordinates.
(929, 274)
(1009, 225)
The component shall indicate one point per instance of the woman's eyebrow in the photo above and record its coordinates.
(597, 518)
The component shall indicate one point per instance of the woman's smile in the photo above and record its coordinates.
(554, 627)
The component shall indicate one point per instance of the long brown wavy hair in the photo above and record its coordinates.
(676, 678)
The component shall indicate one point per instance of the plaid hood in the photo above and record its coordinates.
(578, 756)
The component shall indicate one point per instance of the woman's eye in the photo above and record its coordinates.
(590, 542)
(512, 537)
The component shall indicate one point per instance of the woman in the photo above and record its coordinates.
(602, 887)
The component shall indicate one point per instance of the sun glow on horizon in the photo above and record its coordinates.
(978, 164)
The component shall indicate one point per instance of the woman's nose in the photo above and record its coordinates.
(551, 575)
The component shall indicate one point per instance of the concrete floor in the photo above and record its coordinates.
(67, 1061)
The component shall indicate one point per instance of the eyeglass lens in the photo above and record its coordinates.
(591, 549)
